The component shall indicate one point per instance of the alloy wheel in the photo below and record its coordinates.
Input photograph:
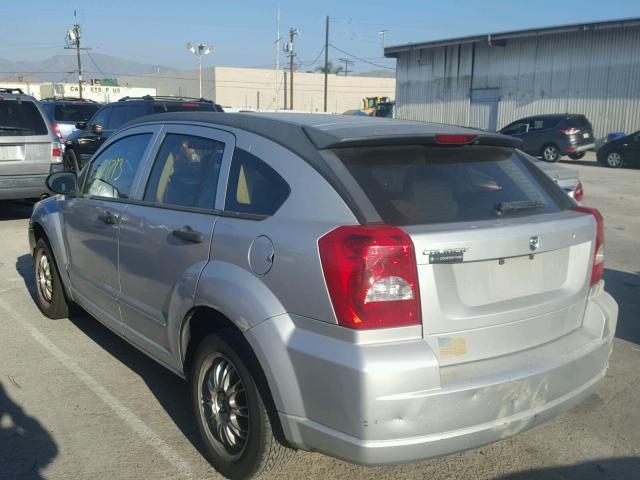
(224, 407)
(614, 159)
(550, 153)
(44, 278)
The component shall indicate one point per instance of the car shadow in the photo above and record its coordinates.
(173, 393)
(624, 468)
(26, 447)
(15, 209)
(625, 288)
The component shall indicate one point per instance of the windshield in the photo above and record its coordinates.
(74, 112)
(21, 118)
(416, 185)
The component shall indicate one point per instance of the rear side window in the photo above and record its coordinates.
(74, 112)
(173, 106)
(186, 172)
(416, 185)
(113, 171)
(254, 187)
(21, 118)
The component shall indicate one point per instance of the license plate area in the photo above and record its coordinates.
(11, 152)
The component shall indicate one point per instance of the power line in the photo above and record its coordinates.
(361, 59)
(95, 64)
(314, 62)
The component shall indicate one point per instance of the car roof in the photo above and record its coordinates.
(324, 131)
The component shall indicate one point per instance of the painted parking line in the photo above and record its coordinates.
(125, 414)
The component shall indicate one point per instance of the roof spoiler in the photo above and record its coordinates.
(323, 140)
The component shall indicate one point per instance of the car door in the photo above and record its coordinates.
(92, 223)
(165, 236)
(93, 137)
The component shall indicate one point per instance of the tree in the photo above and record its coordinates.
(330, 69)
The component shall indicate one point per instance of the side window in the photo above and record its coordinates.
(102, 117)
(254, 187)
(118, 117)
(537, 124)
(111, 173)
(185, 172)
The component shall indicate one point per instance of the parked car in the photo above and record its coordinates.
(553, 136)
(567, 178)
(376, 290)
(623, 150)
(65, 113)
(82, 144)
(29, 150)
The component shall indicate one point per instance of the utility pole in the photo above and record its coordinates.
(73, 41)
(347, 63)
(278, 58)
(326, 63)
(382, 34)
(292, 54)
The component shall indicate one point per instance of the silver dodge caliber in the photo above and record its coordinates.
(376, 290)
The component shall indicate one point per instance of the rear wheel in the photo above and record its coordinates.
(230, 412)
(614, 159)
(550, 153)
(576, 156)
(50, 295)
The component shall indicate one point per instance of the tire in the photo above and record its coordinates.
(71, 161)
(50, 295)
(577, 155)
(614, 159)
(550, 153)
(235, 392)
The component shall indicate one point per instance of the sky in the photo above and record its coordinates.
(243, 32)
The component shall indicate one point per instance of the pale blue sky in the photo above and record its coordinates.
(243, 31)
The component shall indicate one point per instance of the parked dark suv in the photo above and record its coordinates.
(620, 151)
(83, 143)
(553, 136)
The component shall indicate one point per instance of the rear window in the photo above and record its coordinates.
(415, 185)
(21, 118)
(161, 107)
(579, 121)
(74, 112)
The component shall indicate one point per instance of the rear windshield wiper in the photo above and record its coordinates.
(18, 129)
(508, 207)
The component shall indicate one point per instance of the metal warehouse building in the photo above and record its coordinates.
(488, 81)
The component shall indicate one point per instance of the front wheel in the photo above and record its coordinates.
(614, 160)
(230, 412)
(50, 295)
(550, 153)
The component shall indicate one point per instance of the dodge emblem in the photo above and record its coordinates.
(534, 243)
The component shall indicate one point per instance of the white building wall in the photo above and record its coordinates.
(596, 73)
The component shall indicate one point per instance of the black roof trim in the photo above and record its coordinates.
(494, 38)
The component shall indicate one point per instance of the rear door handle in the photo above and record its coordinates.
(108, 218)
(189, 234)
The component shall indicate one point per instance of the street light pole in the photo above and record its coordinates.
(199, 51)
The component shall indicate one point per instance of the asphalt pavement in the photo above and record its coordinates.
(77, 402)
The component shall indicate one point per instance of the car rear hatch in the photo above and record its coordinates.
(503, 262)
(578, 130)
(25, 140)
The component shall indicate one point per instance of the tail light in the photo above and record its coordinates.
(569, 131)
(56, 152)
(455, 139)
(371, 276)
(56, 130)
(598, 256)
(578, 192)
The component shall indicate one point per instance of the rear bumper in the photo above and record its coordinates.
(386, 403)
(27, 186)
(572, 148)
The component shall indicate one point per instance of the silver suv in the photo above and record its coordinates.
(29, 150)
(375, 290)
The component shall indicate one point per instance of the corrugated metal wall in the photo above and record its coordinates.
(593, 72)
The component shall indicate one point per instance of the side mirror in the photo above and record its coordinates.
(97, 129)
(81, 125)
(64, 183)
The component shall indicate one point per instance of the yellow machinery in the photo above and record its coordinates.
(369, 104)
